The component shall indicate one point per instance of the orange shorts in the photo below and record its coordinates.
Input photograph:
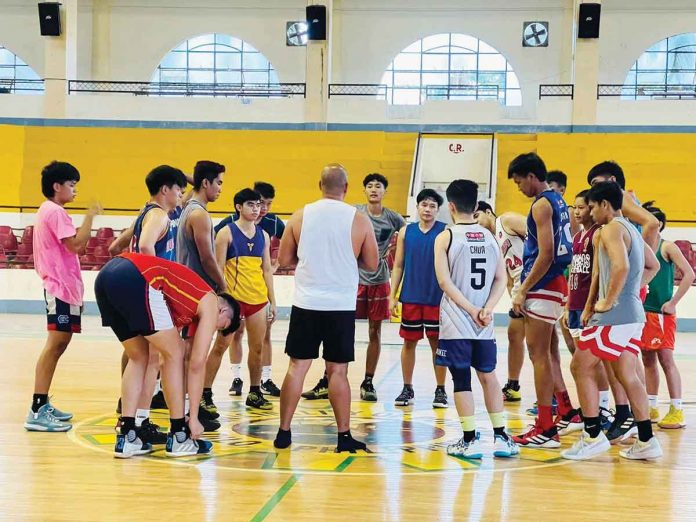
(659, 332)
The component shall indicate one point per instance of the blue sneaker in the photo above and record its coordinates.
(606, 418)
(44, 420)
(60, 415)
(180, 444)
(467, 450)
(504, 447)
(534, 411)
(130, 445)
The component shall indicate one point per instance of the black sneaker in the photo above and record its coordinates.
(621, 430)
(208, 405)
(257, 401)
(269, 388)
(440, 399)
(511, 394)
(320, 391)
(405, 398)
(209, 424)
(368, 392)
(236, 388)
(158, 401)
(150, 432)
(606, 418)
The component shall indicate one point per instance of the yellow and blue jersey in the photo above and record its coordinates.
(244, 266)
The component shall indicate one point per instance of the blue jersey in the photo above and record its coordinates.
(174, 217)
(420, 283)
(165, 247)
(562, 240)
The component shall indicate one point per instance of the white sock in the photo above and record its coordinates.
(158, 387)
(604, 399)
(652, 399)
(186, 404)
(265, 373)
(236, 371)
(140, 416)
(677, 403)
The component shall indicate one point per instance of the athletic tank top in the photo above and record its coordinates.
(187, 251)
(562, 240)
(662, 286)
(512, 248)
(420, 285)
(174, 217)
(628, 307)
(165, 247)
(326, 277)
(473, 258)
(580, 277)
(243, 268)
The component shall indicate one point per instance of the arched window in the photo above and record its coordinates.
(215, 58)
(14, 69)
(666, 69)
(450, 66)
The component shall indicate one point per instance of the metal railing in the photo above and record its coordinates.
(242, 90)
(647, 92)
(559, 90)
(358, 89)
(462, 92)
(8, 86)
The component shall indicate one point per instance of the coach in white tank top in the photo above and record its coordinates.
(327, 240)
(326, 277)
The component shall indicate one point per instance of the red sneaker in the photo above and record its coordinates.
(537, 438)
(569, 423)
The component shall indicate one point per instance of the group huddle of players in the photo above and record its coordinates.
(182, 273)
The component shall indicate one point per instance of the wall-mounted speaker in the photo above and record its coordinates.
(316, 22)
(588, 20)
(49, 18)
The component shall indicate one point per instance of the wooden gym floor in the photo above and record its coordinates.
(407, 476)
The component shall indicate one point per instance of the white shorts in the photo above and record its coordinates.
(609, 342)
(548, 303)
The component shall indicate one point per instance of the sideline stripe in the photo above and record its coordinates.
(275, 499)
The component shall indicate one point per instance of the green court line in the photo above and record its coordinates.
(275, 499)
(270, 460)
(343, 465)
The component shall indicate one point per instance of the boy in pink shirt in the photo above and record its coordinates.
(56, 243)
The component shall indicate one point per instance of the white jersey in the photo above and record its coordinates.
(326, 277)
(473, 257)
(512, 248)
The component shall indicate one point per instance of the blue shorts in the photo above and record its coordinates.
(574, 324)
(480, 354)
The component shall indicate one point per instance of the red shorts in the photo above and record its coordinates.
(609, 342)
(659, 331)
(373, 302)
(415, 318)
(247, 310)
(547, 303)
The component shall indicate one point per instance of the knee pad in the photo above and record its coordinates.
(461, 378)
(484, 368)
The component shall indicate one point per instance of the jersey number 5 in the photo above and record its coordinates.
(478, 273)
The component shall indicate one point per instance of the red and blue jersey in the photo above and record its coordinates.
(562, 240)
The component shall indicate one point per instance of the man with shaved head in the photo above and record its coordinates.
(328, 240)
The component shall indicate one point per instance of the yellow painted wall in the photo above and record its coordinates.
(114, 162)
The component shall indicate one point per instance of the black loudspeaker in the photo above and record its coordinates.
(316, 22)
(49, 18)
(588, 20)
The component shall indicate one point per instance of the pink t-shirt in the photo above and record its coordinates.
(56, 265)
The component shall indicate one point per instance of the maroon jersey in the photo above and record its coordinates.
(580, 276)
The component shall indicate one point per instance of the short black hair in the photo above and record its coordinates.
(607, 191)
(482, 206)
(164, 176)
(236, 316)
(245, 195)
(266, 190)
(429, 194)
(607, 168)
(206, 170)
(57, 172)
(375, 176)
(583, 194)
(557, 176)
(463, 194)
(657, 212)
(529, 163)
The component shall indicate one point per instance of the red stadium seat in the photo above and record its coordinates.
(9, 244)
(24, 251)
(101, 254)
(5, 230)
(88, 261)
(275, 248)
(28, 235)
(105, 233)
(3, 260)
(684, 246)
(92, 243)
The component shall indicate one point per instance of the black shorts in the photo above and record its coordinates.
(127, 303)
(310, 328)
(62, 316)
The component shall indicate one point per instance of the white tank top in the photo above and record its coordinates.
(473, 258)
(326, 277)
(512, 248)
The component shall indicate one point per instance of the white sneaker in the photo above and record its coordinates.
(130, 445)
(180, 444)
(587, 447)
(467, 450)
(504, 447)
(643, 450)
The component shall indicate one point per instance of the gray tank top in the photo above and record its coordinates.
(628, 308)
(186, 249)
